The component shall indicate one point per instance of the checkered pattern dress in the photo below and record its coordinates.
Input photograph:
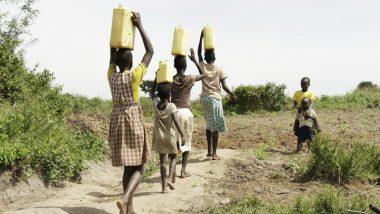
(127, 133)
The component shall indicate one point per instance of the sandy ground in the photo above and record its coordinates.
(101, 187)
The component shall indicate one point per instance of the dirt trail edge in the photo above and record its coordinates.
(101, 187)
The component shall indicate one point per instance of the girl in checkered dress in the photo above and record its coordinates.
(127, 133)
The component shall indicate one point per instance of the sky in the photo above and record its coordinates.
(335, 43)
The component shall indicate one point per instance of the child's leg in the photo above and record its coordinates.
(163, 158)
(215, 138)
(134, 173)
(172, 173)
(301, 138)
(185, 157)
(310, 138)
(209, 142)
(299, 144)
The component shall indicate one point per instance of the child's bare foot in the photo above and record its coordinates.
(184, 174)
(122, 207)
(171, 185)
(164, 191)
(208, 155)
(215, 157)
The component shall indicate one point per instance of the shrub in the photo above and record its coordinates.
(366, 85)
(339, 163)
(268, 97)
(78, 103)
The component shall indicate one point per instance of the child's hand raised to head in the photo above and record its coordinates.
(192, 55)
(136, 19)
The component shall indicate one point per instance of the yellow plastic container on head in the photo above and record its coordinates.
(180, 41)
(165, 72)
(208, 38)
(123, 29)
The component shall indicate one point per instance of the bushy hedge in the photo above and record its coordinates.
(268, 97)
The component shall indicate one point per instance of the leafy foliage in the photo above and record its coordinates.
(268, 97)
(366, 85)
(33, 131)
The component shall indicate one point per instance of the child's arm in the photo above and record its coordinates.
(316, 125)
(295, 104)
(176, 123)
(153, 90)
(113, 55)
(200, 69)
(147, 44)
(112, 66)
(295, 127)
(200, 48)
(226, 89)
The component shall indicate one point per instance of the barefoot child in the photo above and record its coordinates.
(181, 89)
(211, 99)
(306, 120)
(127, 133)
(164, 136)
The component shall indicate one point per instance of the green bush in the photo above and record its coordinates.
(268, 97)
(33, 131)
(78, 103)
(366, 85)
(147, 106)
(339, 163)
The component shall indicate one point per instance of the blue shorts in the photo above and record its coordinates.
(305, 133)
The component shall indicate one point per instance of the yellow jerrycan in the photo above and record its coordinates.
(165, 72)
(180, 41)
(208, 38)
(123, 29)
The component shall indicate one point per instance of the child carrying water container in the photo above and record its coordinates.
(306, 121)
(181, 91)
(127, 132)
(211, 99)
(164, 140)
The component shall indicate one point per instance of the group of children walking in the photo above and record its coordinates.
(173, 118)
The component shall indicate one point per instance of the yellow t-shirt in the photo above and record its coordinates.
(300, 94)
(137, 76)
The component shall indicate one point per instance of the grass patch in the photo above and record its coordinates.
(360, 98)
(339, 163)
(261, 151)
(330, 201)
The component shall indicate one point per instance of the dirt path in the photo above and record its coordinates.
(101, 186)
